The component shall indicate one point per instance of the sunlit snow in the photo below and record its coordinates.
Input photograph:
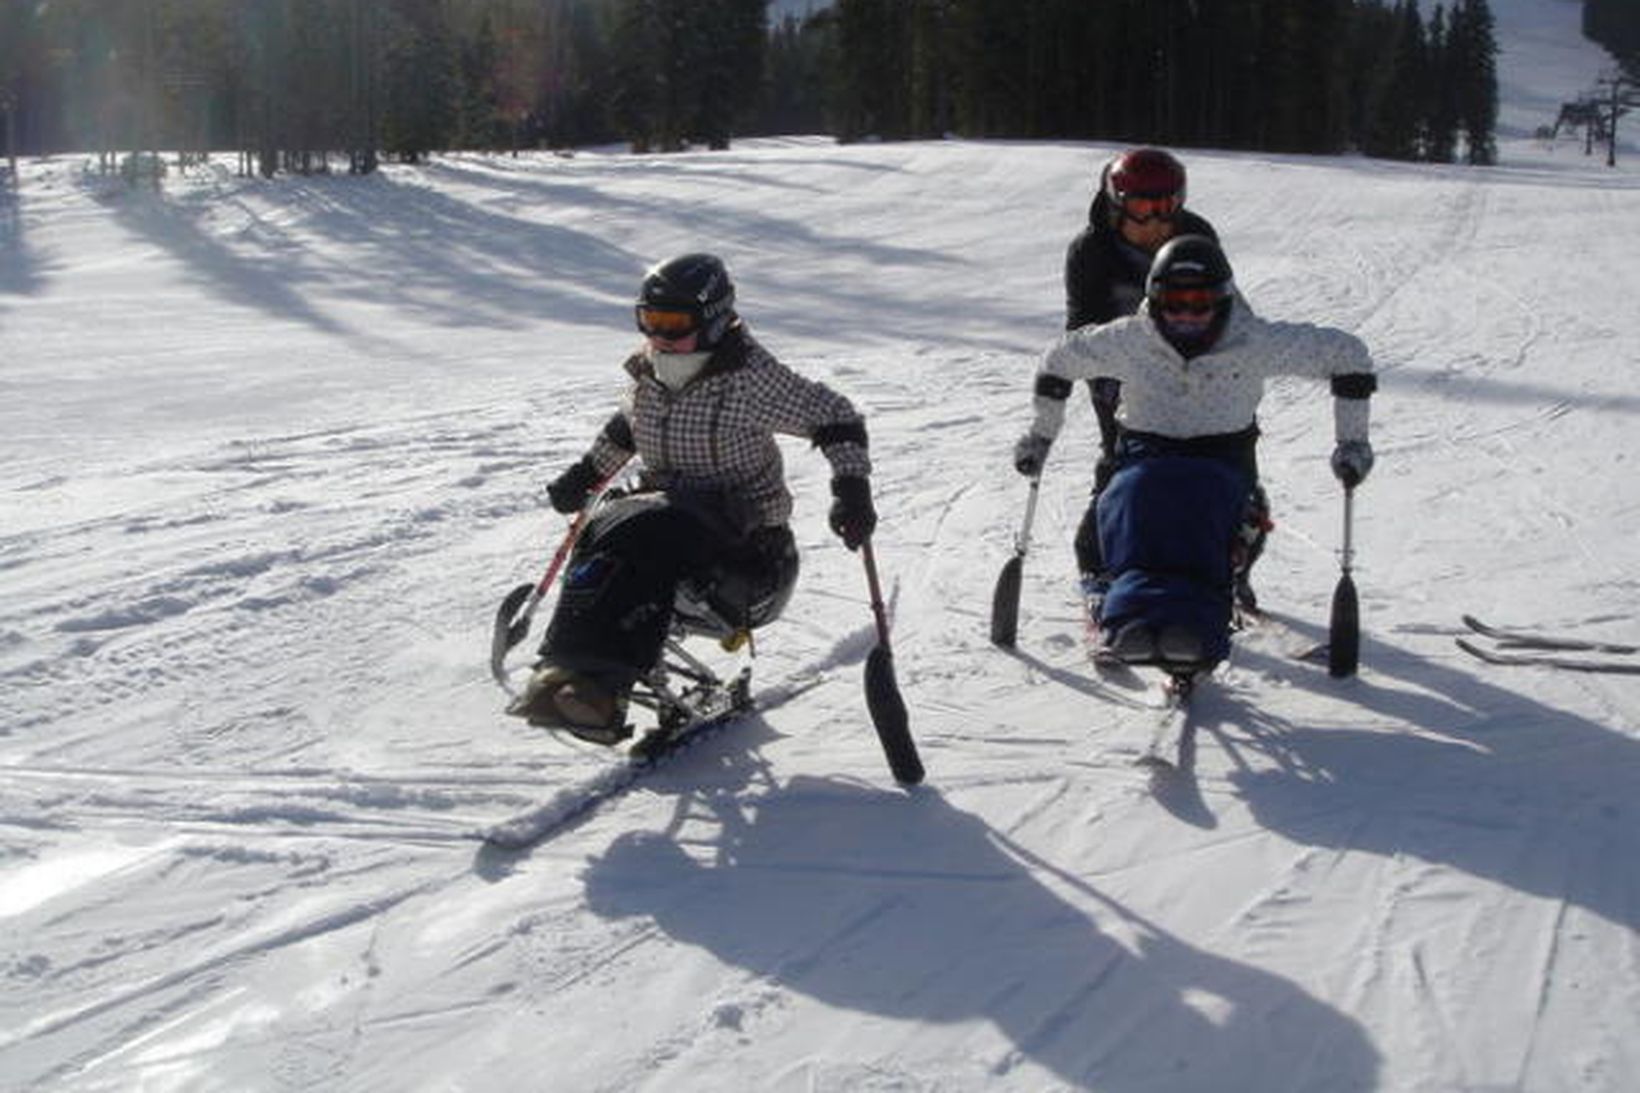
(270, 454)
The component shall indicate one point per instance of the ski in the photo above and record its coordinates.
(713, 712)
(527, 828)
(1170, 738)
(1549, 658)
(1511, 637)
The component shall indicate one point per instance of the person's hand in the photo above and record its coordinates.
(1352, 462)
(1030, 453)
(853, 518)
(568, 492)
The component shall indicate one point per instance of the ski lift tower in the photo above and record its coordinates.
(1620, 94)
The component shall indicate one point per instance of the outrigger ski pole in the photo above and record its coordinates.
(512, 624)
(1344, 628)
(1005, 597)
(883, 693)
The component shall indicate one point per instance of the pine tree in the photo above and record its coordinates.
(686, 70)
(478, 121)
(419, 79)
(728, 50)
(585, 92)
(637, 97)
(867, 94)
(1472, 54)
(792, 100)
(1615, 24)
(1396, 105)
(1442, 145)
(363, 132)
(929, 69)
(314, 76)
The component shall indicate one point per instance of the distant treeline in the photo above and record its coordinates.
(294, 84)
(1279, 75)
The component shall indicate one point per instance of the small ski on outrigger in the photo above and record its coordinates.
(1525, 647)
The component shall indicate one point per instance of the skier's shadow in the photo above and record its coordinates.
(905, 907)
(1463, 772)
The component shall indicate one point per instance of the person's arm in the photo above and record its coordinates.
(1081, 354)
(1078, 309)
(1088, 296)
(785, 402)
(1343, 360)
(608, 454)
(1352, 456)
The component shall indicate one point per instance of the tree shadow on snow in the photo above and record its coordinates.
(1465, 773)
(739, 231)
(19, 270)
(407, 247)
(900, 905)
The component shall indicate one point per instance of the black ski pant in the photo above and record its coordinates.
(616, 598)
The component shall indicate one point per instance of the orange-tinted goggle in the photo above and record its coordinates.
(1142, 208)
(1187, 301)
(667, 322)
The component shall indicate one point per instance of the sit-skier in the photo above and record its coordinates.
(712, 508)
(1192, 362)
(1138, 208)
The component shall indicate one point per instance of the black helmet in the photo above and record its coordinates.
(692, 285)
(1190, 292)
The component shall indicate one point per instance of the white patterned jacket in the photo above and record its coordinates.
(1213, 394)
(715, 435)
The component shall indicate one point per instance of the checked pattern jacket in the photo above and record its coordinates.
(716, 435)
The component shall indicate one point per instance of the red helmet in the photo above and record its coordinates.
(1144, 183)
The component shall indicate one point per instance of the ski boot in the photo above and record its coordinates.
(582, 705)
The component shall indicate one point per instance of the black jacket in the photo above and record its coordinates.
(1104, 278)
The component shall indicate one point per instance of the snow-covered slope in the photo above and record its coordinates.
(272, 452)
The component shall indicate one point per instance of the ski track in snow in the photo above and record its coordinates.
(248, 733)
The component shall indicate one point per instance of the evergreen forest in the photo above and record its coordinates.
(318, 85)
(1615, 24)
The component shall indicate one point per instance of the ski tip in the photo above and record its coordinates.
(1475, 650)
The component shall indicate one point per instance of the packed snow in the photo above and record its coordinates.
(272, 453)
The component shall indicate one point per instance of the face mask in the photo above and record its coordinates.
(1187, 329)
(676, 369)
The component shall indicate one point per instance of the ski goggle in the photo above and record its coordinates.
(1187, 301)
(667, 322)
(1143, 208)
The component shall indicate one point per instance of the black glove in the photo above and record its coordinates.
(852, 516)
(568, 492)
(1352, 462)
(1030, 453)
